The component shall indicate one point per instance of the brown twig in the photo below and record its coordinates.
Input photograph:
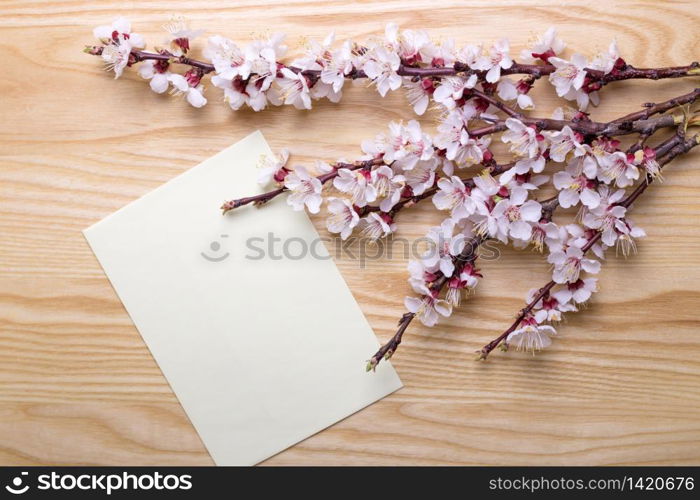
(536, 70)
(651, 109)
(638, 122)
(267, 196)
(497, 103)
(467, 255)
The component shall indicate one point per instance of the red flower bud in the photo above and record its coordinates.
(581, 116)
(183, 43)
(239, 85)
(620, 64)
(386, 218)
(522, 178)
(455, 282)
(280, 175)
(544, 55)
(523, 86)
(481, 105)
(193, 77)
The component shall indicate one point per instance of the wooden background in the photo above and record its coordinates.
(77, 385)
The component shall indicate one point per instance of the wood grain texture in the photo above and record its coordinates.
(78, 386)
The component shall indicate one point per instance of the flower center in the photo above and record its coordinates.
(513, 213)
(572, 269)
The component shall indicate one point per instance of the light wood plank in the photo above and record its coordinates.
(77, 384)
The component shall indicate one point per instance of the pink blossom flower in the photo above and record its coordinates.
(158, 75)
(428, 307)
(422, 175)
(377, 225)
(294, 89)
(585, 165)
(568, 75)
(546, 46)
(262, 56)
(455, 197)
(486, 185)
(531, 336)
(180, 36)
(228, 59)
(272, 168)
(535, 164)
(610, 220)
(119, 32)
(381, 68)
(522, 139)
(568, 264)
(343, 218)
(118, 43)
(358, 184)
(406, 145)
(617, 167)
(439, 55)
(549, 307)
(516, 181)
(573, 189)
(447, 246)
(605, 61)
(579, 291)
(419, 93)
(419, 276)
(235, 94)
(509, 91)
(470, 55)
(646, 158)
(467, 280)
(190, 88)
(451, 89)
(498, 58)
(518, 215)
(388, 186)
(337, 66)
(305, 190)
(544, 233)
(116, 57)
(454, 139)
(563, 142)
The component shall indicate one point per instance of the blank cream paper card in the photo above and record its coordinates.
(262, 347)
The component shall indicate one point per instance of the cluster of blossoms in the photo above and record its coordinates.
(256, 76)
(497, 202)
(454, 166)
(121, 48)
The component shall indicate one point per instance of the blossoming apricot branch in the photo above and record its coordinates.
(530, 330)
(454, 166)
(406, 166)
(255, 75)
